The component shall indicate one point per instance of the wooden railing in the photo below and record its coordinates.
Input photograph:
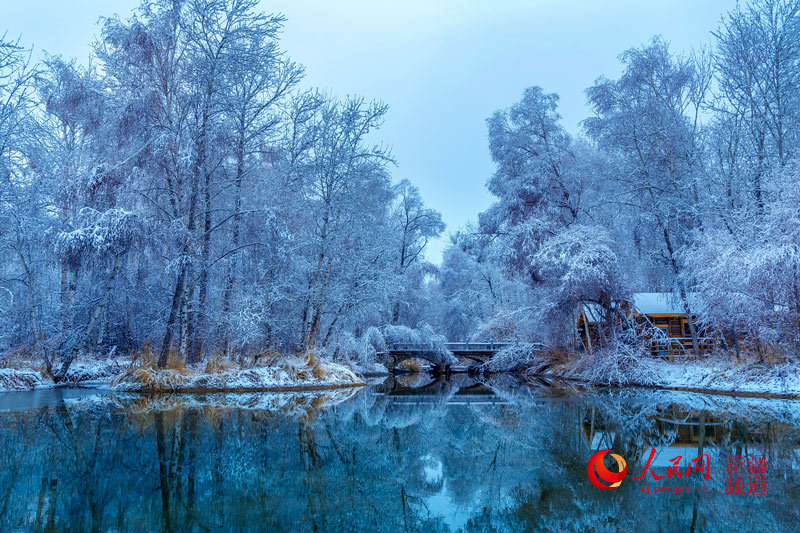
(455, 347)
(680, 346)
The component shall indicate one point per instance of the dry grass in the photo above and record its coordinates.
(217, 364)
(19, 379)
(770, 354)
(268, 358)
(145, 372)
(221, 373)
(24, 358)
(559, 356)
(149, 378)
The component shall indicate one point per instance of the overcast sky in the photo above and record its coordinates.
(442, 66)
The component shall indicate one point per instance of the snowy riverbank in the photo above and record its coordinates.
(286, 374)
(714, 375)
(725, 375)
(289, 373)
(13, 379)
(23, 375)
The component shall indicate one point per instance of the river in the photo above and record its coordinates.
(405, 455)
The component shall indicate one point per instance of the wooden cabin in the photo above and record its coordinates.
(646, 309)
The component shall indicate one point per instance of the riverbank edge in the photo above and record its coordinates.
(779, 382)
(659, 387)
(49, 385)
(293, 374)
(243, 390)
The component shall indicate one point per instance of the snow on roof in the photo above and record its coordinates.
(662, 303)
(648, 303)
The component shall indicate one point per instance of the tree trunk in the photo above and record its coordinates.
(682, 290)
(197, 317)
(32, 309)
(93, 321)
(230, 275)
(310, 314)
(174, 310)
(188, 319)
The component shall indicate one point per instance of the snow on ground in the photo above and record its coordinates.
(285, 374)
(23, 375)
(370, 369)
(96, 370)
(709, 374)
(722, 374)
(288, 373)
(718, 374)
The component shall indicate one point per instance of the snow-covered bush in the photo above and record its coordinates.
(620, 362)
(362, 350)
(372, 342)
(515, 357)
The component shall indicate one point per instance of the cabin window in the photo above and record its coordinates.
(675, 328)
(661, 322)
(710, 431)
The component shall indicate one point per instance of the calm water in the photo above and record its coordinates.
(432, 457)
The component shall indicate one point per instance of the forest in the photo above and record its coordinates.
(182, 197)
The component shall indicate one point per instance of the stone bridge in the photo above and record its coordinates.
(398, 352)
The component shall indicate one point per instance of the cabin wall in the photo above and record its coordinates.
(676, 341)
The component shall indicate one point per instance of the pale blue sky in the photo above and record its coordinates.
(442, 66)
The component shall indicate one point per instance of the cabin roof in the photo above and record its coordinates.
(662, 303)
(648, 303)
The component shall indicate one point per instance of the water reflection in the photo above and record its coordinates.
(405, 455)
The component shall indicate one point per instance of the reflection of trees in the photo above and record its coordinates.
(13, 458)
(513, 461)
(314, 486)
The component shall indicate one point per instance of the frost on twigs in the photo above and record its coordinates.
(620, 362)
(749, 280)
(100, 233)
(359, 351)
(516, 357)
(366, 351)
(359, 354)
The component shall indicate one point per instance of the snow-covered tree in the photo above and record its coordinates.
(751, 289)
(648, 122)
